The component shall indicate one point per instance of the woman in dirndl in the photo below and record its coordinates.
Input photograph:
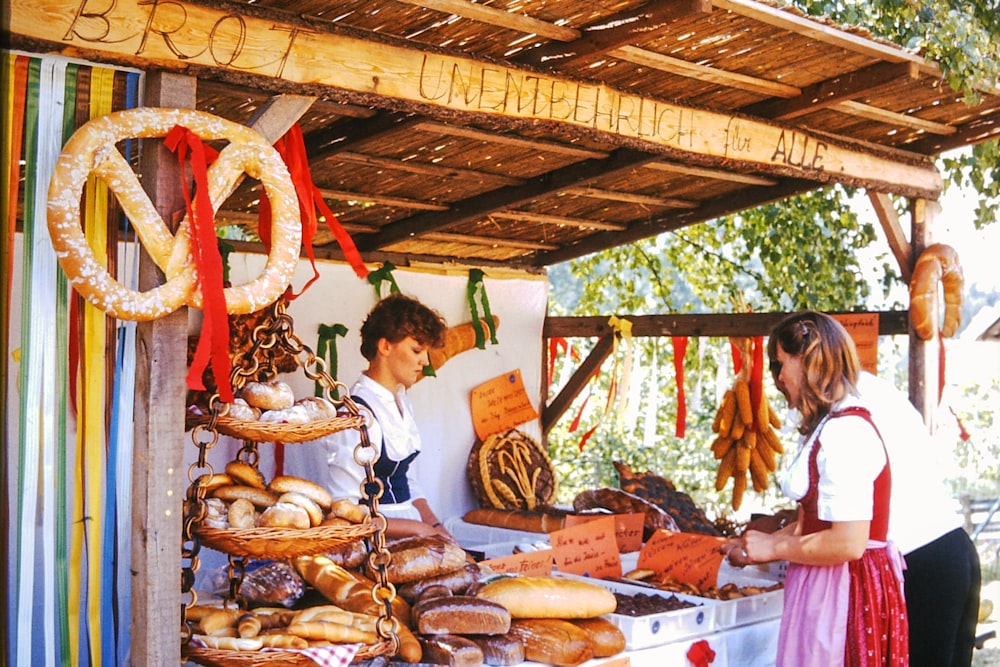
(844, 601)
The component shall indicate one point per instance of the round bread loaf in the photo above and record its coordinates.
(288, 484)
(311, 508)
(274, 395)
(242, 514)
(285, 515)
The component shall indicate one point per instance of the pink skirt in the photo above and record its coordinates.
(852, 614)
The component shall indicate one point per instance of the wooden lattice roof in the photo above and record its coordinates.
(528, 132)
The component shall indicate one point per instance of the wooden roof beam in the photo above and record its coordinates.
(499, 17)
(976, 131)
(544, 219)
(614, 31)
(489, 241)
(714, 174)
(893, 118)
(425, 168)
(399, 202)
(474, 208)
(894, 233)
(721, 77)
(507, 140)
(826, 34)
(827, 93)
(322, 143)
(629, 197)
(675, 220)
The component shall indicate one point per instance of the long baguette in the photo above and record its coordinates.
(549, 597)
(231, 643)
(333, 632)
(552, 641)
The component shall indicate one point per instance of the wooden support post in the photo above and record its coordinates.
(924, 354)
(159, 480)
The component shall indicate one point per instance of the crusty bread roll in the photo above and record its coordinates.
(311, 490)
(549, 597)
(217, 513)
(285, 515)
(261, 498)
(274, 395)
(248, 625)
(240, 409)
(345, 508)
(294, 414)
(284, 641)
(333, 632)
(246, 474)
(311, 508)
(212, 482)
(317, 408)
(242, 514)
(231, 643)
(460, 615)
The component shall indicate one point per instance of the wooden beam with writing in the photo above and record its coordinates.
(833, 91)
(271, 45)
(898, 243)
(470, 210)
(613, 32)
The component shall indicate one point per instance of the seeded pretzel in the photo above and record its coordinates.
(92, 150)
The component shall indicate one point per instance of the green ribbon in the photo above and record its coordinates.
(476, 288)
(326, 349)
(381, 275)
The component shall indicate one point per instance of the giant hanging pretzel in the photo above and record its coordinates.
(92, 150)
(937, 265)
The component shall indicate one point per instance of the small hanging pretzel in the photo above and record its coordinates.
(92, 150)
(938, 263)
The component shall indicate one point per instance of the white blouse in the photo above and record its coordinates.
(849, 460)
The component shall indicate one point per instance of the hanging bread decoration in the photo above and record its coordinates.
(937, 265)
(457, 339)
(511, 471)
(745, 441)
(91, 151)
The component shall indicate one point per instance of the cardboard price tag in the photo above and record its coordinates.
(588, 549)
(531, 563)
(690, 558)
(628, 528)
(501, 404)
(863, 328)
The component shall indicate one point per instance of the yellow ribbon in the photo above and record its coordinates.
(622, 329)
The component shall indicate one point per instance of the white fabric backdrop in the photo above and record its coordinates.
(441, 403)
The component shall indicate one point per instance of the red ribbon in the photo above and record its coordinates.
(213, 341)
(757, 376)
(292, 149)
(555, 345)
(680, 344)
(737, 356)
(701, 654)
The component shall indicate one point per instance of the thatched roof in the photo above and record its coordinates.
(528, 132)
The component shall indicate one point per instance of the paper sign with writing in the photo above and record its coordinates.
(628, 528)
(529, 564)
(863, 328)
(691, 558)
(589, 549)
(500, 405)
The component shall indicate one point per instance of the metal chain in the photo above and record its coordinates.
(195, 512)
(274, 331)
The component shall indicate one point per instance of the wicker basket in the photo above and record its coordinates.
(220, 658)
(284, 433)
(282, 543)
(511, 471)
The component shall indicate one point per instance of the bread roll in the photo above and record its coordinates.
(317, 408)
(552, 641)
(549, 597)
(460, 615)
(216, 513)
(289, 484)
(248, 625)
(294, 414)
(241, 410)
(231, 643)
(332, 632)
(275, 395)
(283, 640)
(261, 498)
(457, 581)
(242, 514)
(345, 508)
(212, 482)
(285, 515)
(311, 508)
(346, 589)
